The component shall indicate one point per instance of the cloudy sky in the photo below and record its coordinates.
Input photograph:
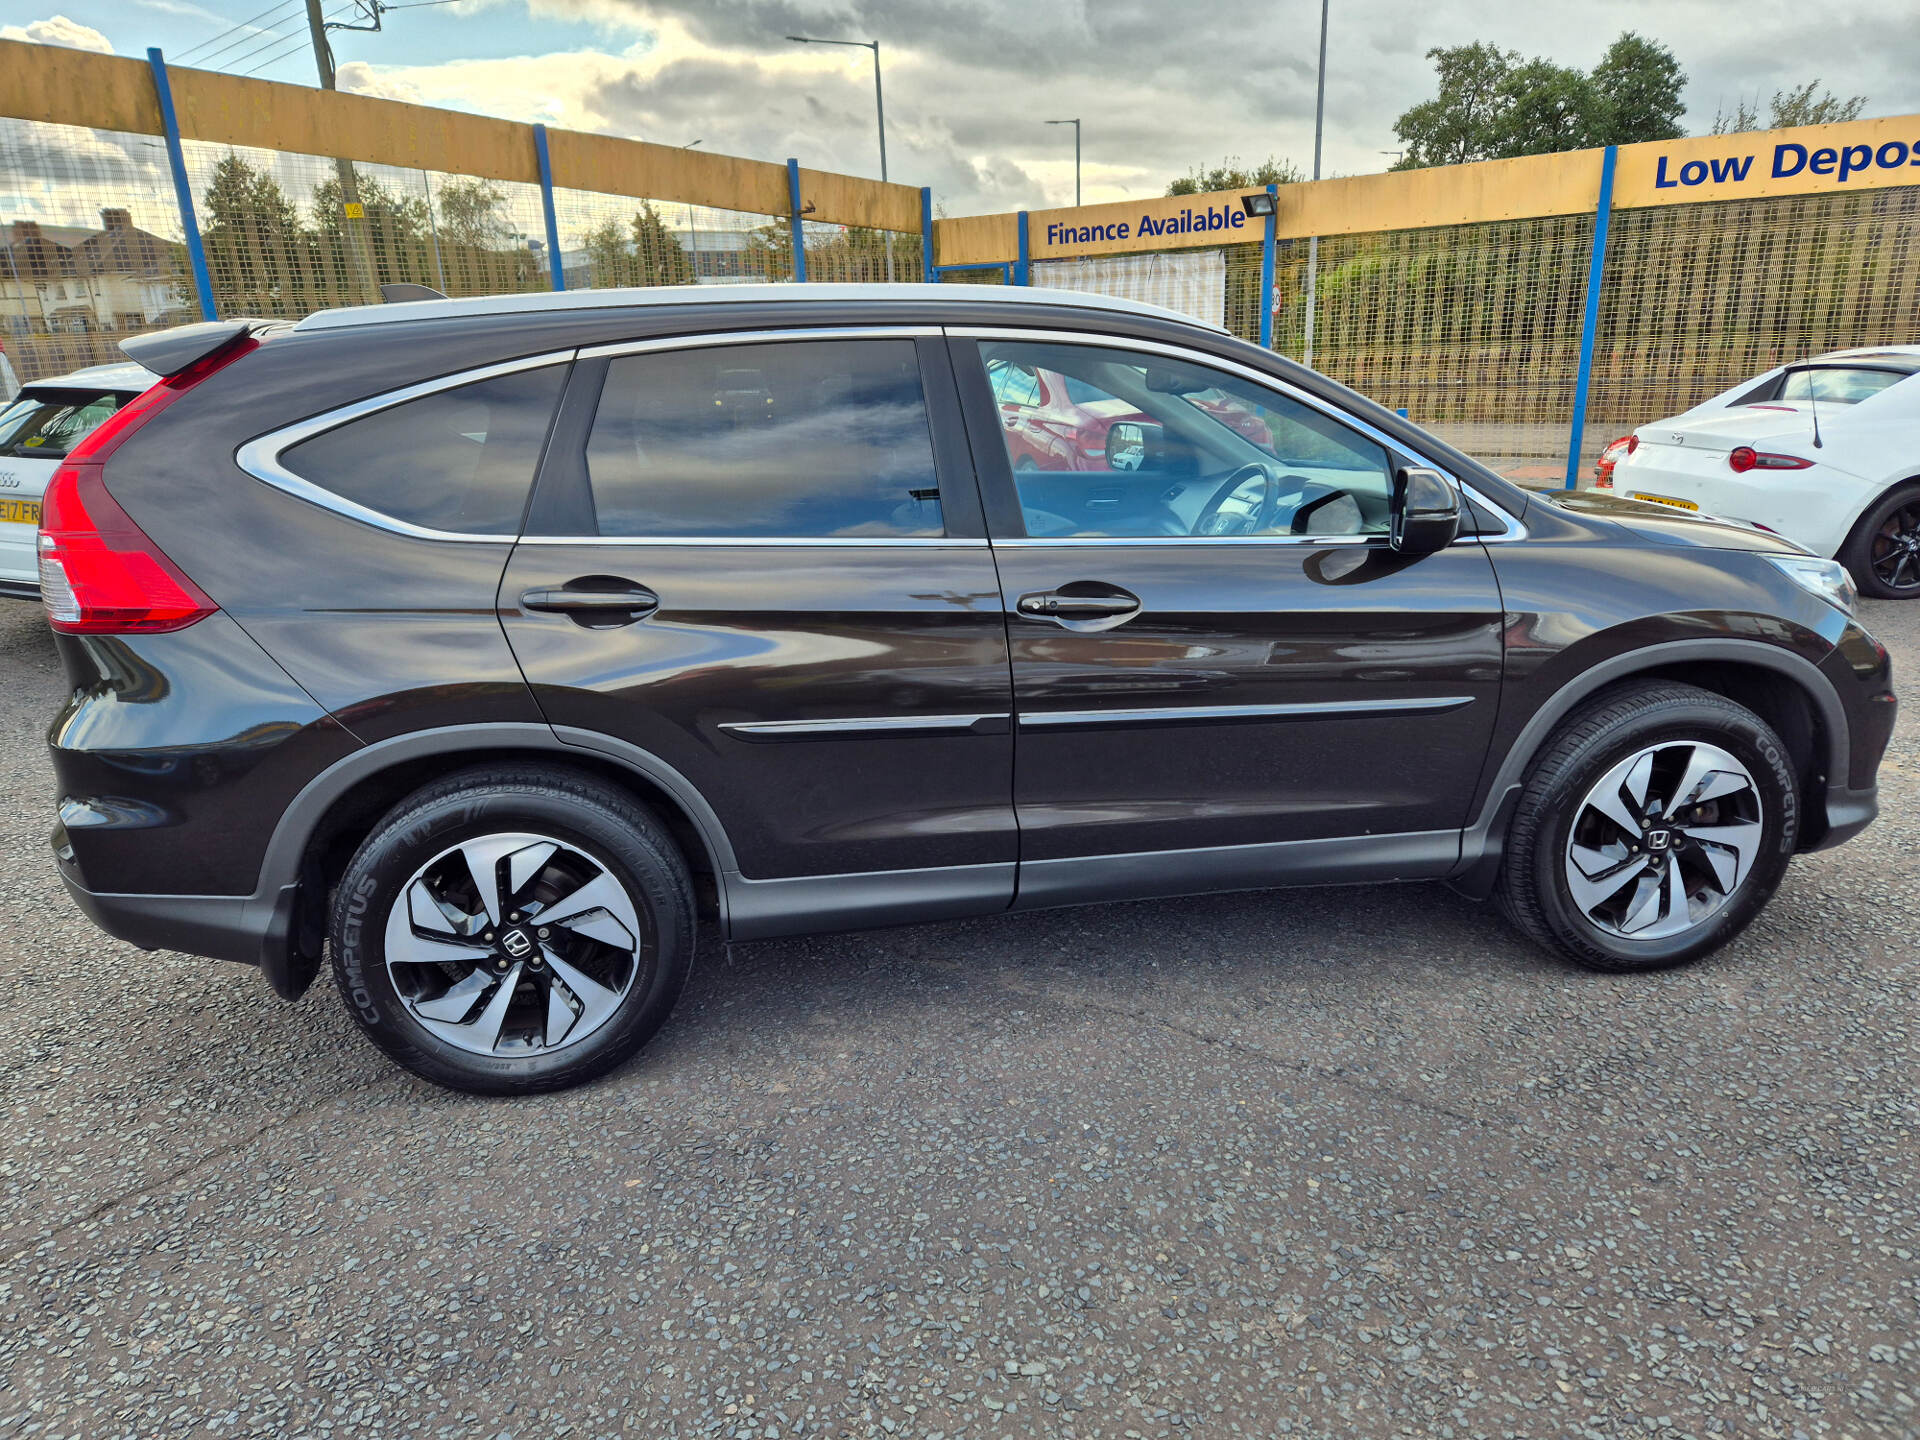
(1159, 87)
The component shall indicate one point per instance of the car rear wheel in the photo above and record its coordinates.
(1652, 829)
(1883, 553)
(513, 929)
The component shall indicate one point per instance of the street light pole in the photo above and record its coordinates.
(1076, 157)
(1319, 122)
(880, 111)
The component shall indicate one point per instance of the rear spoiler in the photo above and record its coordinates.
(168, 352)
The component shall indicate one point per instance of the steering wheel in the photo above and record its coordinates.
(1244, 503)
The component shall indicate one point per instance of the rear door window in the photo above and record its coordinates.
(459, 460)
(46, 424)
(805, 439)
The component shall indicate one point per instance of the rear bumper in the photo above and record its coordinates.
(19, 589)
(249, 929)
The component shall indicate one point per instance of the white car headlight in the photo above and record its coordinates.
(1826, 578)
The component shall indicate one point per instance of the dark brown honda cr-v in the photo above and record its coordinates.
(485, 643)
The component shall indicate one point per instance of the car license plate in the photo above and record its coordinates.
(20, 512)
(1663, 500)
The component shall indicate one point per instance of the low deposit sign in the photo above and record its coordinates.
(1813, 159)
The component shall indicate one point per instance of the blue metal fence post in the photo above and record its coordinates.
(554, 263)
(926, 234)
(1596, 271)
(1022, 267)
(1266, 274)
(799, 226)
(182, 191)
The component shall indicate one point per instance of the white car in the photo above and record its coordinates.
(1824, 451)
(45, 421)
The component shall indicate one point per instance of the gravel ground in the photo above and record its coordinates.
(1322, 1163)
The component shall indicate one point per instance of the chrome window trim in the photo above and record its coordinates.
(859, 725)
(617, 348)
(260, 456)
(1514, 529)
(1300, 710)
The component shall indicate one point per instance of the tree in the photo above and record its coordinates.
(1804, 107)
(1458, 124)
(473, 212)
(1493, 104)
(609, 247)
(260, 256)
(1228, 175)
(1799, 106)
(660, 258)
(1639, 83)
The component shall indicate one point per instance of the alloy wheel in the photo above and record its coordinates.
(1663, 840)
(513, 945)
(1894, 551)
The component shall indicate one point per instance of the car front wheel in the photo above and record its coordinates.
(1883, 553)
(513, 929)
(1654, 826)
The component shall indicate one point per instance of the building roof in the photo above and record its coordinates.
(546, 301)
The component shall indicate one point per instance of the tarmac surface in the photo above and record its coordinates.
(1327, 1163)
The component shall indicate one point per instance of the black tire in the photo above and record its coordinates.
(1899, 507)
(621, 837)
(1534, 891)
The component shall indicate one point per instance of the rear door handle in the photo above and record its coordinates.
(1083, 601)
(595, 601)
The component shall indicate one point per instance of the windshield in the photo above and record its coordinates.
(45, 425)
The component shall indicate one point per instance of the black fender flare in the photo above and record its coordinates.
(280, 866)
(1483, 840)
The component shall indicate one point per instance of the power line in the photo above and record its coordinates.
(244, 25)
(296, 44)
(288, 47)
(274, 40)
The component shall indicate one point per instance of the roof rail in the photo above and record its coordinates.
(705, 295)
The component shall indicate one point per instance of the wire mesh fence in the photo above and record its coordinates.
(1699, 297)
(852, 254)
(288, 234)
(610, 241)
(93, 245)
(1473, 330)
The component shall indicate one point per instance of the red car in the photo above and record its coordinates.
(1609, 457)
(1056, 422)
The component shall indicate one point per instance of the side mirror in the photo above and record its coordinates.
(1132, 444)
(1426, 511)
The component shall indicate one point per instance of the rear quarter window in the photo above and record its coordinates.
(459, 460)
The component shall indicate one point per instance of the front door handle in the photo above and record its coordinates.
(1082, 600)
(596, 601)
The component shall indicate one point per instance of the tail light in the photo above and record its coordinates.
(99, 572)
(1633, 443)
(1743, 458)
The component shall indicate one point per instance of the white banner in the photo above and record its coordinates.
(1194, 282)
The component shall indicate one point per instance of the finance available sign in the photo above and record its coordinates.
(1165, 223)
